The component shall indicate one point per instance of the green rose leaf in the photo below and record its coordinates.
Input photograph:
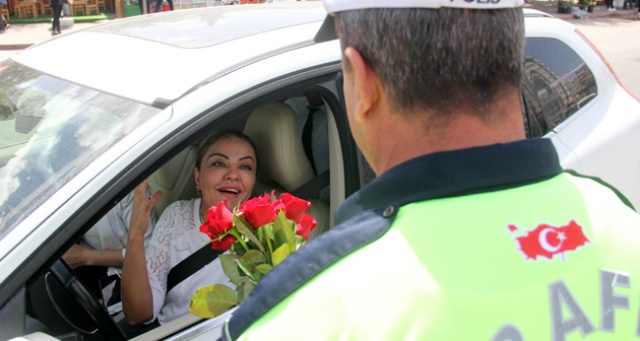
(244, 291)
(247, 263)
(280, 254)
(268, 231)
(237, 249)
(230, 268)
(258, 276)
(213, 300)
(252, 258)
(264, 268)
(248, 232)
(247, 288)
(284, 230)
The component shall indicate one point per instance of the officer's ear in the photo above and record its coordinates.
(363, 82)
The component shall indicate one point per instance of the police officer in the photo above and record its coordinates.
(469, 232)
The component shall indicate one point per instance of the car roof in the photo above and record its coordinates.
(530, 12)
(199, 28)
(157, 58)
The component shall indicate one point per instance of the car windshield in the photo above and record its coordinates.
(51, 130)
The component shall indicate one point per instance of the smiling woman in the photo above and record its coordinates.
(225, 169)
(213, 166)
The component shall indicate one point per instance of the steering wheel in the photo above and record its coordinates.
(62, 282)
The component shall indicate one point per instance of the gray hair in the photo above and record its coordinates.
(438, 59)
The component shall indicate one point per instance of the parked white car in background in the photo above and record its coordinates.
(85, 116)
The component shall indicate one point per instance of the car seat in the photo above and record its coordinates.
(282, 163)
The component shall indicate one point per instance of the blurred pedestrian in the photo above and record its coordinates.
(56, 8)
(609, 4)
(159, 5)
(142, 4)
(3, 21)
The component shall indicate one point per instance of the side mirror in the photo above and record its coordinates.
(25, 122)
(29, 114)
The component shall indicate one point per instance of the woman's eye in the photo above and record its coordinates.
(217, 164)
(246, 167)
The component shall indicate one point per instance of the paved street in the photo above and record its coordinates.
(21, 36)
(617, 40)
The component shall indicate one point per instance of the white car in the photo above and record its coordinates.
(85, 116)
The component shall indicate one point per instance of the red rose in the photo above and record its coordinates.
(294, 208)
(258, 211)
(305, 225)
(224, 243)
(219, 221)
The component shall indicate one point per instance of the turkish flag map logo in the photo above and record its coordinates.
(549, 241)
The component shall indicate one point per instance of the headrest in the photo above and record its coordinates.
(281, 158)
(175, 179)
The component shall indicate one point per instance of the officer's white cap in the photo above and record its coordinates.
(327, 31)
(333, 6)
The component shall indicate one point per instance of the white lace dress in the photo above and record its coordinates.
(176, 236)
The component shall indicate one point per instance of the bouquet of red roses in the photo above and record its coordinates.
(259, 235)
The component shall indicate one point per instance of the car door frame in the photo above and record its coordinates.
(119, 178)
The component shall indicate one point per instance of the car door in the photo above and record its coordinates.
(236, 102)
(572, 97)
(225, 102)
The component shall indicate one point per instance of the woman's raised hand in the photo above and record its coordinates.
(137, 299)
(142, 206)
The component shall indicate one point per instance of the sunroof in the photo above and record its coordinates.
(204, 27)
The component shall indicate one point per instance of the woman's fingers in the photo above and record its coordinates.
(141, 190)
(153, 199)
(144, 202)
(142, 205)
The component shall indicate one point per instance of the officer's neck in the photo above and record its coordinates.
(405, 139)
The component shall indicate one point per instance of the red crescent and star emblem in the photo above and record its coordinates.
(547, 241)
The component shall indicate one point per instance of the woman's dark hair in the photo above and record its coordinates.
(221, 135)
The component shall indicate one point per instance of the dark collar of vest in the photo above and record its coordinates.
(455, 173)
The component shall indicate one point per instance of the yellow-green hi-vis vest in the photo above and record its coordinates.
(543, 255)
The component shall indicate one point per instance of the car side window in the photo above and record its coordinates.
(556, 84)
